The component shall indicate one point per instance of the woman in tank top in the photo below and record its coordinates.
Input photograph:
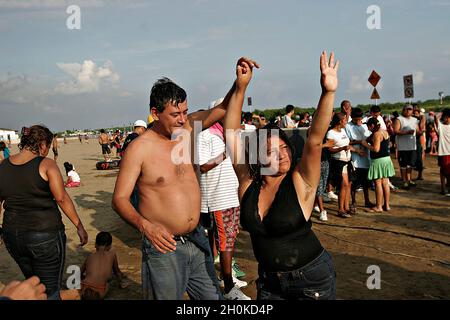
(381, 167)
(277, 197)
(31, 189)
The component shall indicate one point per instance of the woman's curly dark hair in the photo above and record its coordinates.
(34, 136)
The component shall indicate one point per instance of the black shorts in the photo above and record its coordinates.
(407, 159)
(361, 179)
(105, 149)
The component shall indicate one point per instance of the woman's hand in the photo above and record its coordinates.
(244, 72)
(328, 69)
(82, 234)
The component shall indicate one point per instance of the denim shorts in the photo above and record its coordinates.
(39, 254)
(314, 281)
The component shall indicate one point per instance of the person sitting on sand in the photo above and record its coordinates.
(98, 268)
(73, 178)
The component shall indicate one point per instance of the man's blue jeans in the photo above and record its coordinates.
(315, 281)
(39, 254)
(189, 269)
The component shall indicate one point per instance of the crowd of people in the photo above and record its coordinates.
(189, 208)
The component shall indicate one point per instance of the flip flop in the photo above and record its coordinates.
(374, 210)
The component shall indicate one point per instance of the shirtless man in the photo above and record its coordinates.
(176, 253)
(103, 140)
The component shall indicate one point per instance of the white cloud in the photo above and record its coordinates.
(11, 83)
(358, 84)
(86, 77)
(418, 77)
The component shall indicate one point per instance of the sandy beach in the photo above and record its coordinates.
(410, 244)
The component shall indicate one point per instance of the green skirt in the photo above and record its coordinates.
(381, 168)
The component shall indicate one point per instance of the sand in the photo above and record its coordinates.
(411, 267)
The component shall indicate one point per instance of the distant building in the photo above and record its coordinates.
(13, 135)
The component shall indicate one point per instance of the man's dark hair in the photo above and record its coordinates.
(375, 109)
(103, 239)
(262, 115)
(248, 117)
(395, 114)
(34, 136)
(357, 113)
(289, 108)
(2, 146)
(102, 130)
(165, 91)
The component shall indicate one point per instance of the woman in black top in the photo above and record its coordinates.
(31, 189)
(277, 198)
(381, 167)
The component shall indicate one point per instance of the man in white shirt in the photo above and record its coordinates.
(375, 112)
(248, 122)
(405, 128)
(442, 123)
(286, 121)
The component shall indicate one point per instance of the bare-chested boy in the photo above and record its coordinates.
(98, 269)
(176, 256)
(103, 140)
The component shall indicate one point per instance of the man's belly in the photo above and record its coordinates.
(180, 215)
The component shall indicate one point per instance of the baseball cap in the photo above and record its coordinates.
(140, 123)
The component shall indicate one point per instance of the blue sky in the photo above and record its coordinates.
(101, 75)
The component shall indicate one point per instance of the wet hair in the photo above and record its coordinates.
(337, 117)
(255, 169)
(103, 239)
(248, 116)
(374, 122)
(2, 145)
(34, 136)
(357, 113)
(375, 109)
(90, 294)
(68, 166)
(165, 91)
(289, 108)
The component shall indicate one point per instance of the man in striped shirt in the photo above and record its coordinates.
(219, 193)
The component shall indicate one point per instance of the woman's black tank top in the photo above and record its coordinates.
(28, 202)
(283, 240)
